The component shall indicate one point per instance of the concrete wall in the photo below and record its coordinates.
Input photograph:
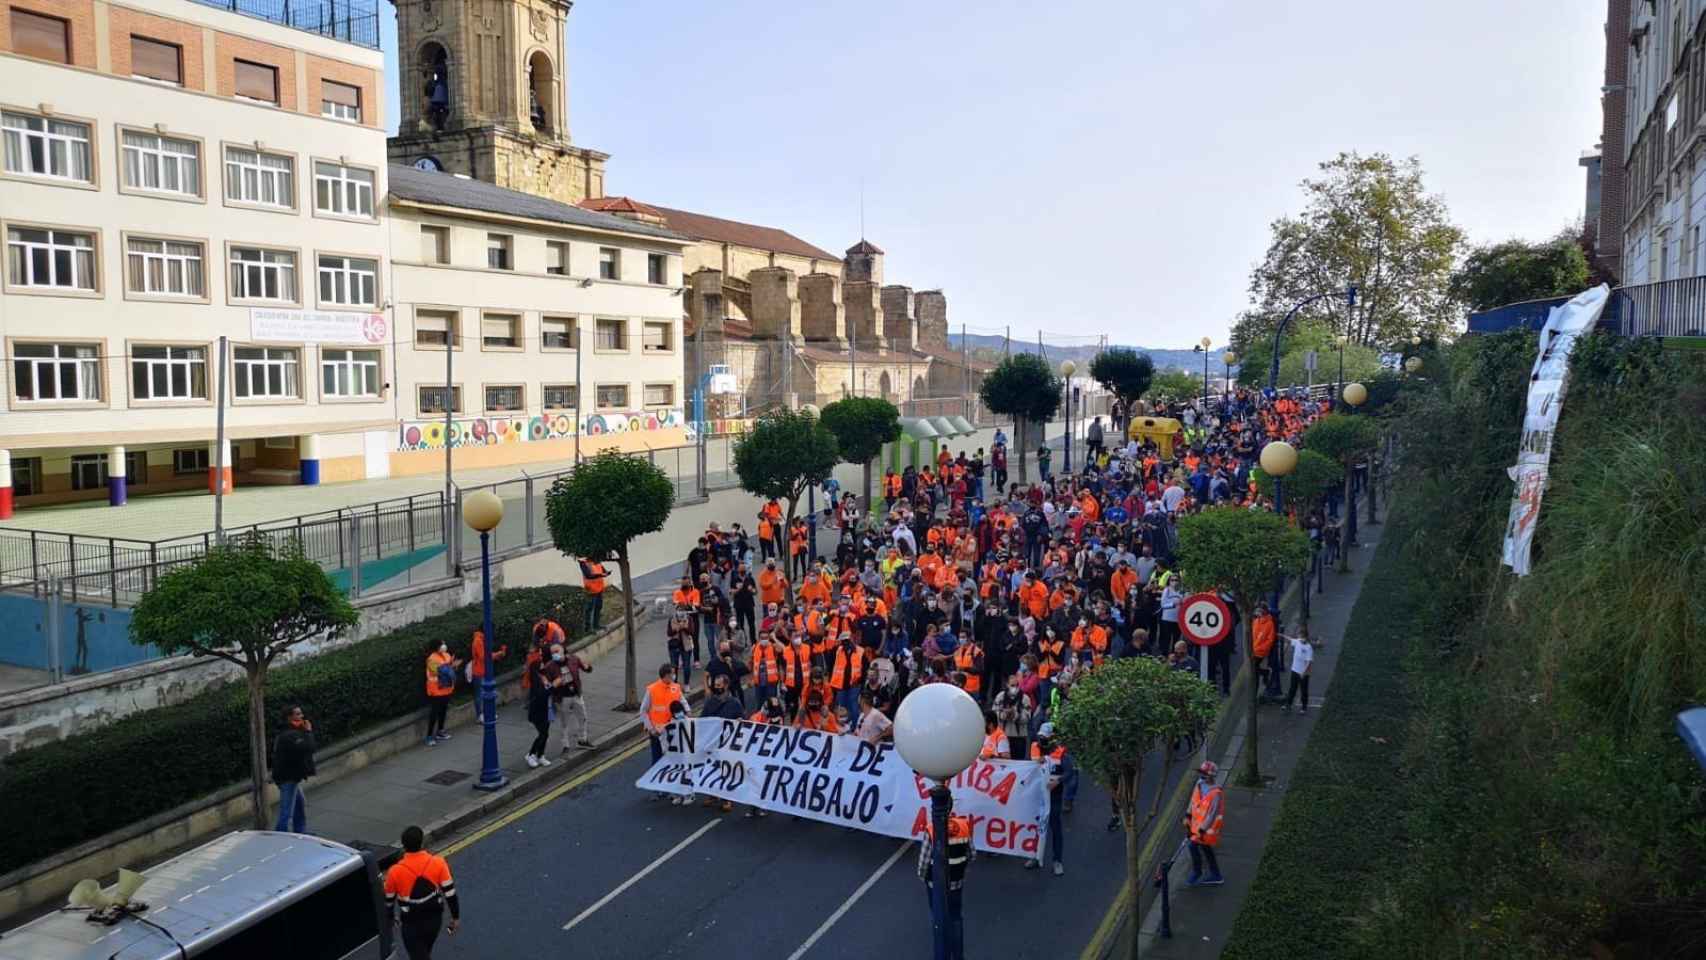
(932, 310)
(822, 317)
(775, 303)
(862, 300)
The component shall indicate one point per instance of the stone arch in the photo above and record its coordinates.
(885, 386)
(920, 388)
(541, 91)
(434, 60)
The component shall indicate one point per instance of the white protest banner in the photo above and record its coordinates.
(316, 326)
(1564, 325)
(848, 782)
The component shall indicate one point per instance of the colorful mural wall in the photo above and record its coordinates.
(490, 431)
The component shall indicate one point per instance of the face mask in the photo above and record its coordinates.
(557, 657)
(443, 648)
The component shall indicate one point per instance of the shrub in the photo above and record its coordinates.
(155, 760)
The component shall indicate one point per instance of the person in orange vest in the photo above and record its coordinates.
(1044, 749)
(798, 561)
(891, 488)
(1202, 827)
(817, 710)
(766, 667)
(968, 659)
(847, 675)
(960, 852)
(796, 671)
(655, 709)
(1262, 633)
(418, 888)
(477, 664)
(593, 579)
(772, 585)
(995, 743)
(440, 684)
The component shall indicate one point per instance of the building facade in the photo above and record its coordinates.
(1663, 159)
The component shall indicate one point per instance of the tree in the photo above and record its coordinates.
(596, 510)
(861, 426)
(1361, 362)
(1124, 371)
(1025, 388)
(1369, 221)
(783, 454)
(1515, 271)
(1243, 552)
(1117, 716)
(1172, 384)
(245, 603)
(1343, 438)
(1311, 480)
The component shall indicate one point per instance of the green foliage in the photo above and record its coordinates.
(783, 454)
(1361, 362)
(1171, 384)
(1342, 437)
(1315, 476)
(1238, 550)
(155, 760)
(1123, 371)
(1515, 271)
(605, 503)
(861, 426)
(1125, 709)
(1023, 385)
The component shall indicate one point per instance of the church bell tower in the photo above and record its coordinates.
(484, 93)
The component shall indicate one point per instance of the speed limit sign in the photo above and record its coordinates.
(1204, 619)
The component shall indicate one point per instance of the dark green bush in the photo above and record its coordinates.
(65, 793)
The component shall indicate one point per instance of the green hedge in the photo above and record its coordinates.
(66, 793)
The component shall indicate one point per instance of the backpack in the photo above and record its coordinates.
(446, 675)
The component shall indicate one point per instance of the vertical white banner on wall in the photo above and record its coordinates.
(1564, 325)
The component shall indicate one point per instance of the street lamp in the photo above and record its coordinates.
(811, 410)
(1341, 341)
(1203, 345)
(1278, 460)
(1413, 365)
(939, 731)
(1355, 395)
(483, 510)
(1229, 358)
(1067, 369)
(1279, 331)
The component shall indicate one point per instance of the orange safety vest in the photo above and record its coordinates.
(1261, 636)
(965, 656)
(796, 665)
(662, 694)
(420, 880)
(849, 672)
(771, 586)
(1048, 661)
(1205, 831)
(593, 576)
(995, 746)
(1055, 754)
(435, 660)
(765, 666)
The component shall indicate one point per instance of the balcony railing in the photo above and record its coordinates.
(1670, 308)
(352, 21)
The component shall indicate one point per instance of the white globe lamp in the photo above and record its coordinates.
(938, 730)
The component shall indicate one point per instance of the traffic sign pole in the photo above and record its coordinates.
(1204, 620)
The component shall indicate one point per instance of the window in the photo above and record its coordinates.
(89, 471)
(612, 335)
(340, 101)
(612, 396)
(168, 373)
(558, 333)
(135, 467)
(435, 244)
(1671, 110)
(499, 250)
(189, 460)
(56, 371)
(504, 399)
(156, 60)
(42, 37)
(257, 81)
(434, 328)
(51, 148)
(659, 394)
(50, 259)
(161, 164)
(556, 258)
(26, 476)
(258, 274)
(171, 268)
(349, 281)
(344, 191)
(349, 373)
(265, 372)
(279, 443)
(657, 268)
(657, 336)
(500, 330)
(264, 179)
(432, 399)
(559, 396)
(609, 263)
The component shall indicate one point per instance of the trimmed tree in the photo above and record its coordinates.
(595, 511)
(1117, 716)
(245, 603)
(1311, 480)
(783, 454)
(1025, 388)
(861, 426)
(1172, 383)
(1242, 552)
(1125, 372)
(1345, 439)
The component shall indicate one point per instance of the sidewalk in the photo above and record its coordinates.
(1202, 917)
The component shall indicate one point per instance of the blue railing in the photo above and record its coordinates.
(352, 21)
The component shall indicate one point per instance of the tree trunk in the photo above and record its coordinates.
(1373, 517)
(1132, 790)
(865, 497)
(631, 702)
(1252, 771)
(1019, 442)
(258, 743)
(1344, 526)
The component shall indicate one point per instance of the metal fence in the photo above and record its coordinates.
(1671, 308)
(353, 21)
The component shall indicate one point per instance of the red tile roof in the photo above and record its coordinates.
(620, 205)
(716, 229)
(864, 246)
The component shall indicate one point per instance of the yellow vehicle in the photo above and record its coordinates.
(1161, 430)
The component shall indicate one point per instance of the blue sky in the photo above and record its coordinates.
(1079, 166)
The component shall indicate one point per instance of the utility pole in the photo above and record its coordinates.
(965, 365)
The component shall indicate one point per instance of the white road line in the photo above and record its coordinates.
(841, 911)
(636, 878)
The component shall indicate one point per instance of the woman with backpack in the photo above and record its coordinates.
(440, 684)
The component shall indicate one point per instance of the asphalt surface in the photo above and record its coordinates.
(768, 888)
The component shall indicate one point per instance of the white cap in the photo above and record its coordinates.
(1046, 730)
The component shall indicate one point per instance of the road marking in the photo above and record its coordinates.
(636, 878)
(538, 802)
(847, 905)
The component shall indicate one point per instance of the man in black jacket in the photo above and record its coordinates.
(292, 763)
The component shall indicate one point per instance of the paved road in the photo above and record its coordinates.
(733, 887)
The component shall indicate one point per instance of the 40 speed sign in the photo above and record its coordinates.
(1204, 619)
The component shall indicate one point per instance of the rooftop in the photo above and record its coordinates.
(718, 230)
(352, 21)
(449, 190)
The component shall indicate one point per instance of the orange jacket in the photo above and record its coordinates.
(435, 660)
(849, 670)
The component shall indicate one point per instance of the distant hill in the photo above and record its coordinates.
(991, 348)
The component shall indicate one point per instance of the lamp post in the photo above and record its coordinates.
(482, 511)
(1278, 460)
(1203, 346)
(939, 731)
(1354, 395)
(811, 410)
(1279, 331)
(1067, 369)
(1340, 342)
(1229, 358)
